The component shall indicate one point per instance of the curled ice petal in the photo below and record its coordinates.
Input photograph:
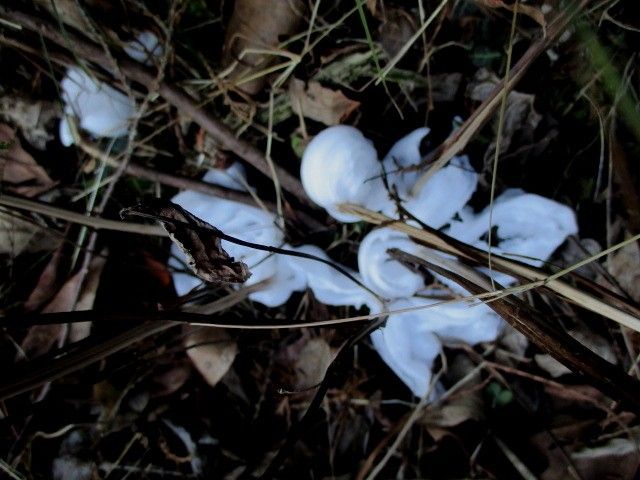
(404, 153)
(234, 177)
(328, 285)
(144, 48)
(408, 349)
(385, 276)
(526, 226)
(283, 281)
(341, 166)
(66, 137)
(445, 194)
(101, 110)
(410, 341)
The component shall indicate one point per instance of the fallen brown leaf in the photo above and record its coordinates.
(87, 296)
(46, 285)
(624, 265)
(15, 234)
(258, 25)
(311, 366)
(18, 168)
(520, 115)
(535, 14)
(211, 350)
(617, 458)
(318, 103)
(203, 250)
(396, 30)
(444, 87)
(33, 118)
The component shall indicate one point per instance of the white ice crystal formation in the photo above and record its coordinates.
(526, 226)
(283, 274)
(340, 165)
(97, 108)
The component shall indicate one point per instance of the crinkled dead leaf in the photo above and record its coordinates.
(311, 366)
(617, 458)
(396, 29)
(318, 103)
(15, 234)
(519, 117)
(444, 87)
(624, 265)
(211, 350)
(530, 11)
(550, 365)
(19, 171)
(33, 118)
(203, 250)
(258, 25)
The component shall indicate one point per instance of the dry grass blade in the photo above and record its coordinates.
(79, 218)
(538, 277)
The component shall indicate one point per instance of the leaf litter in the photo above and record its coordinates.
(164, 419)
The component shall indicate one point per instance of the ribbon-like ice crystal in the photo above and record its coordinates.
(340, 165)
(100, 109)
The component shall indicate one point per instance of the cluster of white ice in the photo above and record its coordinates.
(98, 108)
(341, 166)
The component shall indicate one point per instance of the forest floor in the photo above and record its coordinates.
(124, 393)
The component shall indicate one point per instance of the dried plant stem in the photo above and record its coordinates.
(537, 277)
(496, 155)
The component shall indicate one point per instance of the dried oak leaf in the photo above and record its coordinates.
(257, 27)
(33, 118)
(318, 103)
(312, 364)
(198, 240)
(18, 168)
(211, 350)
(520, 116)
